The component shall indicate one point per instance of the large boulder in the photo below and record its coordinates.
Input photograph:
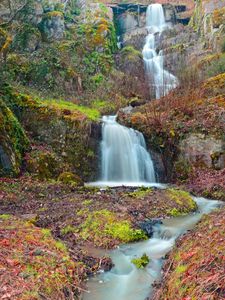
(203, 151)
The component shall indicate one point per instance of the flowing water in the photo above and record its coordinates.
(125, 281)
(160, 80)
(124, 158)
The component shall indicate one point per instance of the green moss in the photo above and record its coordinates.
(141, 262)
(180, 269)
(5, 217)
(104, 223)
(60, 246)
(46, 232)
(174, 212)
(131, 53)
(14, 141)
(68, 229)
(70, 178)
(43, 164)
(52, 14)
(182, 198)
(141, 192)
(91, 113)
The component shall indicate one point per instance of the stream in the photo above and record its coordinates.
(125, 281)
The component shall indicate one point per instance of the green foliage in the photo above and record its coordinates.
(131, 53)
(91, 113)
(182, 198)
(174, 212)
(141, 262)
(68, 229)
(25, 33)
(216, 67)
(223, 46)
(12, 136)
(181, 269)
(5, 217)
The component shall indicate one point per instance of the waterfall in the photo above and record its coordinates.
(124, 155)
(159, 79)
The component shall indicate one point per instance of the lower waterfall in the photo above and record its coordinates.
(124, 157)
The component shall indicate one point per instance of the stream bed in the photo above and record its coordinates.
(125, 281)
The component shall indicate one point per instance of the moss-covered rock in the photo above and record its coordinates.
(43, 163)
(185, 202)
(13, 142)
(102, 226)
(70, 131)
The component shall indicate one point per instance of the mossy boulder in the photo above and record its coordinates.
(70, 131)
(43, 163)
(103, 226)
(184, 201)
(13, 142)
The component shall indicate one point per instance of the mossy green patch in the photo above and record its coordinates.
(182, 198)
(68, 229)
(131, 53)
(91, 113)
(141, 262)
(5, 217)
(101, 226)
(140, 193)
(13, 140)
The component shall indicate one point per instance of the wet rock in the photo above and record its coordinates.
(148, 226)
(106, 264)
(136, 38)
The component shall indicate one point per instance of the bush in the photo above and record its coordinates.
(217, 66)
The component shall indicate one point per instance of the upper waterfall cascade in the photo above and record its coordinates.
(160, 80)
(124, 155)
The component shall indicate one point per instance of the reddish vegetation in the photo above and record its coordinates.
(33, 265)
(195, 269)
(208, 183)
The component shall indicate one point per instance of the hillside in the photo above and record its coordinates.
(74, 182)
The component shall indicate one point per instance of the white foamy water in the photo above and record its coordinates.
(124, 157)
(160, 80)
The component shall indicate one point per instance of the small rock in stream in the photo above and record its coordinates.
(148, 226)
